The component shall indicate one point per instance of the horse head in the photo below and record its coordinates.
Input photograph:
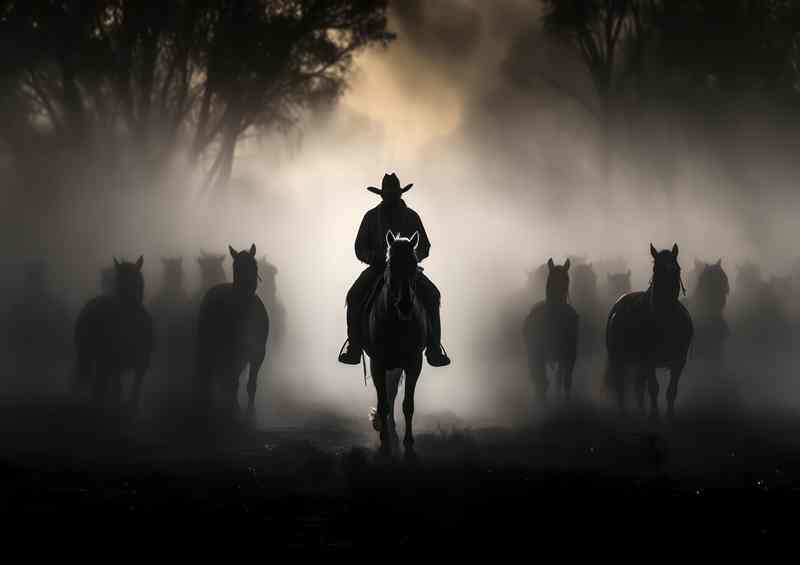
(666, 284)
(173, 273)
(129, 282)
(401, 273)
(713, 286)
(245, 270)
(619, 284)
(557, 289)
(211, 269)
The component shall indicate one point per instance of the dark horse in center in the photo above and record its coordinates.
(650, 330)
(551, 332)
(232, 332)
(396, 330)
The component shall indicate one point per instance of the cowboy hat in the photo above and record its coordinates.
(390, 186)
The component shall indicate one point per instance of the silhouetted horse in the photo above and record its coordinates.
(396, 328)
(551, 332)
(114, 333)
(212, 271)
(584, 298)
(617, 285)
(38, 330)
(650, 330)
(707, 305)
(170, 309)
(269, 294)
(232, 332)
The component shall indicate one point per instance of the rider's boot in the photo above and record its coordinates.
(435, 353)
(350, 353)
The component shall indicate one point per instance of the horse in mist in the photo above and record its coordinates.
(707, 306)
(551, 332)
(269, 294)
(170, 308)
(232, 333)
(758, 310)
(395, 330)
(649, 330)
(114, 333)
(212, 271)
(617, 284)
(38, 329)
(584, 298)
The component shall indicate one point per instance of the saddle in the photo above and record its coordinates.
(366, 304)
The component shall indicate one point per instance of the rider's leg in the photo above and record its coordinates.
(431, 299)
(355, 301)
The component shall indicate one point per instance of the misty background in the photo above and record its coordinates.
(517, 153)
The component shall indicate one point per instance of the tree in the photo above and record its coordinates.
(610, 36)
(134, 81)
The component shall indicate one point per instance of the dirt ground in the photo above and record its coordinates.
(577, 473)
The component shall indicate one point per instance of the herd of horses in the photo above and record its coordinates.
(230, 328)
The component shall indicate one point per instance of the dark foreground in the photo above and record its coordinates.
(578, 475)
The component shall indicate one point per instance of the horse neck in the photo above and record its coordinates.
(661, 296)
(553, 297)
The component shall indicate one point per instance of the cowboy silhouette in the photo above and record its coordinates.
(391, 214)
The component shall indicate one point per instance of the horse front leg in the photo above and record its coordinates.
(652, 386)
(412, 375)
(566, 368)
(392, 384)
(252, 384)
(538, 370)
(672, 389)
(379, 380)
(642, 379)
(616, 377)
(136, 392)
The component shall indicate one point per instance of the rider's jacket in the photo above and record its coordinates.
(371, 239)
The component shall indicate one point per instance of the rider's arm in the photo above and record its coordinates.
(363, 246)
(424, 246)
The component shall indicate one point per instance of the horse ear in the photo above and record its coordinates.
(390, 237)
(550, 263)
(415, 239)
(566, 264)
(675, 250)
(653, 251)
(232, 251)
(253, 250)
(140, 262)
(116, 263)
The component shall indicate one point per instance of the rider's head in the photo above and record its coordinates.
(390, 190)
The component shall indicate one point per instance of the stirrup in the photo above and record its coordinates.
(347, 357)
(439, 358)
